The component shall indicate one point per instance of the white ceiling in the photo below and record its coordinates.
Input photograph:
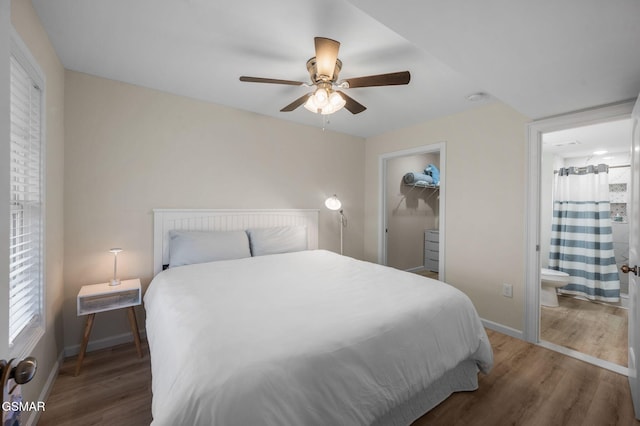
(542, 57)
(614, 137)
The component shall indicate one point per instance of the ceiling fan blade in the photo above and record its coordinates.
(351, 104)
(391, 79)
(270, 80)
(326, 55)
(295, 104)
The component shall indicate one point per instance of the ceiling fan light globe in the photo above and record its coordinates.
(327, 109)
(321, 97)
(336, 100)
(311, 105)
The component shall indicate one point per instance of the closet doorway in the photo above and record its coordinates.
(411, 233)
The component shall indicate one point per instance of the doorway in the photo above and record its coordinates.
(580, 317)
(540, 159)
(411, 229)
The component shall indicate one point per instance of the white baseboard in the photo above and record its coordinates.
(502, 329)
(106, 342)
(32, 417)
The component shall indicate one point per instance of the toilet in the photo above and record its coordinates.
(550, 280)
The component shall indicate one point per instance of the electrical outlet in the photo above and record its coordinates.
(507, 290)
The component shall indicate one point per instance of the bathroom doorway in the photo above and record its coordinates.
(590, 315)
(541, 165)
(411, 236)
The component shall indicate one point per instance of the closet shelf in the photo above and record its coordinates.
(422, 185)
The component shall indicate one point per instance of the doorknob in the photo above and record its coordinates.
(626, 269)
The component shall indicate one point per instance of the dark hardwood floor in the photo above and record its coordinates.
(528, 386)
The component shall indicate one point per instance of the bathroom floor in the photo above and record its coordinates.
(596, 329)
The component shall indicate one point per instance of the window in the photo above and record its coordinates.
(26, 206)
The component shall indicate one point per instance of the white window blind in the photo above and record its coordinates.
(25, 228)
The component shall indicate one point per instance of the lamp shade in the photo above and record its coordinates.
(332, 203)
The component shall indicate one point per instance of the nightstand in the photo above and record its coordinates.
(96, 298)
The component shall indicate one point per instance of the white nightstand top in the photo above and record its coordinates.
(103, 297)
(105, 288)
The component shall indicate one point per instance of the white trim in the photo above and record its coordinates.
(34, 416)
(22, 53)
(439, 147)
(29, 338)
(535, 131)
(165, 220)
(502, 329)
(531, 330)
(5, 129)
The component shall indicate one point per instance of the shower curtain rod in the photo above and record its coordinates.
(611, 167)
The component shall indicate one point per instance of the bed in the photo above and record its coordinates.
(300, 337)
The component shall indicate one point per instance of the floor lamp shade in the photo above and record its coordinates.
(333, 203)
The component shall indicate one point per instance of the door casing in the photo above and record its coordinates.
(535, 130)
(382, 202)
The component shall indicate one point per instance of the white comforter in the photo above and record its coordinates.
(307, 338)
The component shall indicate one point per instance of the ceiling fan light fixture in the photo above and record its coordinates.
(324, 102)
(324, 69)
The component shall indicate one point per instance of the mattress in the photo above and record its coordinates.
(305, 338)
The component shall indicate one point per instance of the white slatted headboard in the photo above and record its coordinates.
(165, 220)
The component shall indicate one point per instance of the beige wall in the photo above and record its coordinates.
(131, 149)
(410, 211)
(122, 150)
(28, 26)
(484, 224)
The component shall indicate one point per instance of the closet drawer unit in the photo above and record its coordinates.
(432, 235)
(431, 249)
(431, 265)
(431, 255)
(430, 245)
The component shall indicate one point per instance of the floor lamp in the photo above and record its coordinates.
(333, 203)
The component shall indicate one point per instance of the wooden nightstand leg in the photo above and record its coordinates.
(134, 330)
(85, 341)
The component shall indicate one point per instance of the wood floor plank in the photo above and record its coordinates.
(113, 387)
(596, 329)
(533, 386)
(528, 386)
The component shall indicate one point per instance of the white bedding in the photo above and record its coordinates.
(305, 338)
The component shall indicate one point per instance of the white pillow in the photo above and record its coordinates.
(187, 247)
(281, 239)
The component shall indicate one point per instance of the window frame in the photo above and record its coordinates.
(28, 338)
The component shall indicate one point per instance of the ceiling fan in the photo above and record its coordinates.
(323, 70)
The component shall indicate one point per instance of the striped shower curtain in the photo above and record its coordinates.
(581, 235)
